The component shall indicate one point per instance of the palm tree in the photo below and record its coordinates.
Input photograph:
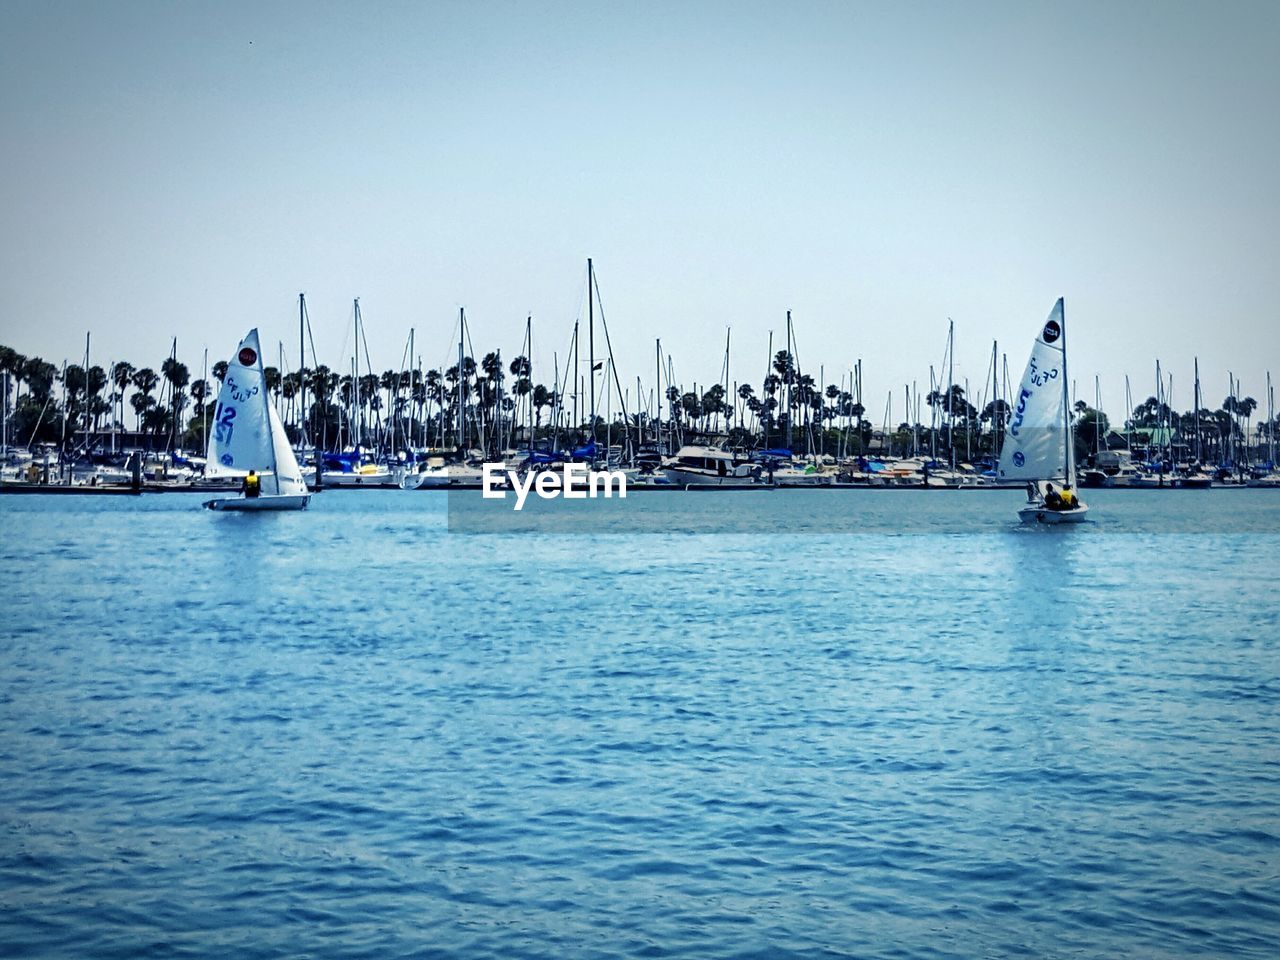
(39, 376)
(288, 390)
(784, 364)
(713, 401)
(199, 394)
(122, 376)
(97, 381)
(145, 380)
(542, 397)
(74, 381)
(805, 392)
(12, 362)
(141, 403)
(178, 376)
(690, 405)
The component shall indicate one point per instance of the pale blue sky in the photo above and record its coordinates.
(185, 169)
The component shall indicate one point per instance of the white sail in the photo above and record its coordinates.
(241, 437)
(289, 480)
(1037, 443)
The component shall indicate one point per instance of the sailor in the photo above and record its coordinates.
(1068, 497)
(1052, 499)
(252, 485)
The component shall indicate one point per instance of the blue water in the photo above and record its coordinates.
(350, 733)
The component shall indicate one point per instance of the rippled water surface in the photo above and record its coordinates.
(351, 733)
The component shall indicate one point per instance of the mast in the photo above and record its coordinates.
(790, 375)
(555, 400)
(1162, 404)
(906, 400)
(1231, 429)
(266, 414)
(591, 343)
(641, 404)
(657, 360)
(768, 371)
(1128, 420)
(528, 339)
(412, 392)
(951, 386)
(727, 395)
(857, 389)
(86, 393)
(995, 398)
(462, 382)
(302, 369)
(204, 375)
(1271, 424)
(933, 416)
(62, 438)
(577, 420)
(355, 377)
(1097, 423)
(1066, 407)
(1196, 402)
(888, 421)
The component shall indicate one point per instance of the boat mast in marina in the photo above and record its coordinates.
(951, 386)
(1271, 424)
(462, 383)
(591, 342)
(302, 373)
(1196, 400)
(1128, 419)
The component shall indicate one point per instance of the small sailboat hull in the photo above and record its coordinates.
(250, 504)
(1039, 513)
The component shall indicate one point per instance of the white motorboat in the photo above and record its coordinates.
(439, 474)
(701, 466)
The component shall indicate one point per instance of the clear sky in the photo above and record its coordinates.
(184, 169)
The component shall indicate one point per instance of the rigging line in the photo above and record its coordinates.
(471, 348)
(346, 335)
(368, 366)
(306, 314)
(608, 345)
(448, 361)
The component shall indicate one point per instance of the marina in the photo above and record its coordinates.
(443, 425)
(662, 481)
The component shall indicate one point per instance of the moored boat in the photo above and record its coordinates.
(701, 465)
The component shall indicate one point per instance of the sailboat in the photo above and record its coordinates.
(248, 436)
(1038, 444)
